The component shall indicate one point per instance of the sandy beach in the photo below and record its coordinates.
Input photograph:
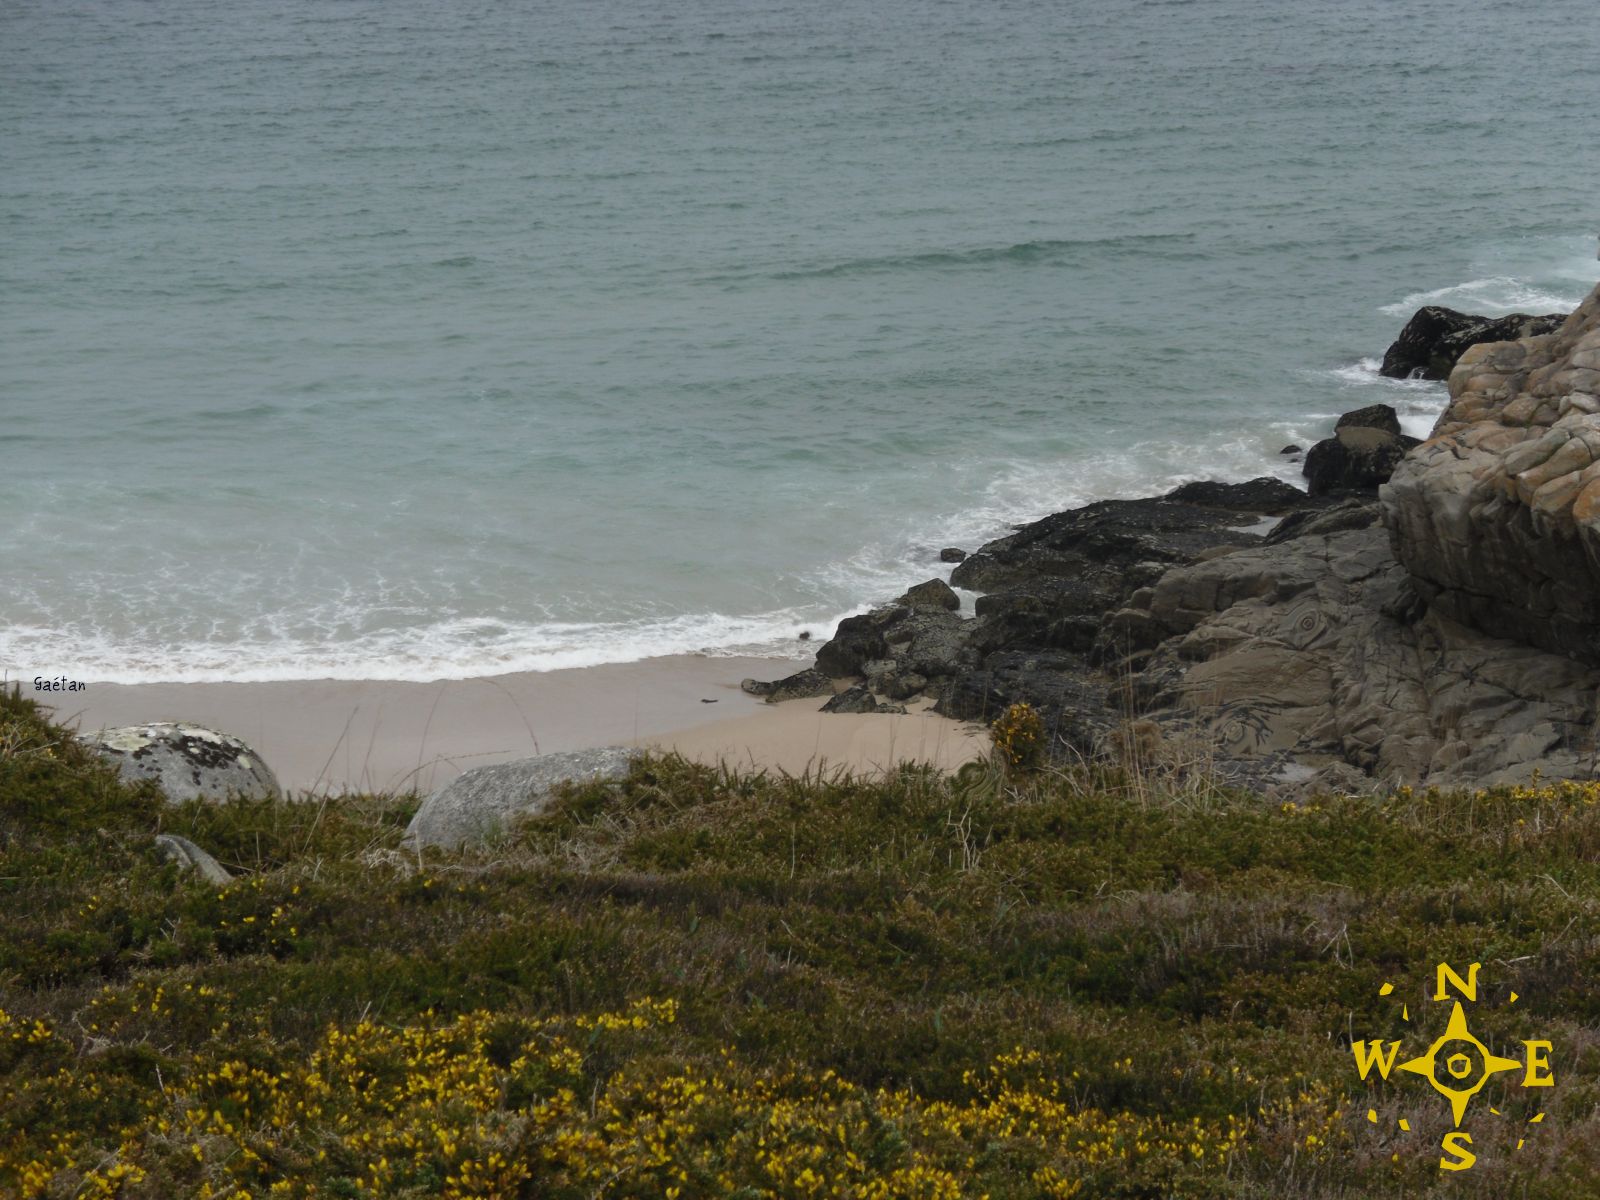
(341, 735)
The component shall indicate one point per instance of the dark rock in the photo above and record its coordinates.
(1291, 449)
(1263, 494)
(1070, 700)
(857, 641)
(1435, 337)
(1374, 416)
(809, 682)
(854, 700)
(1055, 612)
(1354, 459)
(1104, 544)
(902, 685)
(952, 554)
(934, 594)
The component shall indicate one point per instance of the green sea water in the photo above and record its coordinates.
(399, 340)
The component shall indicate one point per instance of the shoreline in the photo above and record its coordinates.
(338, 736)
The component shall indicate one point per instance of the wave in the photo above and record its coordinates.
(1494, 295)
(1417, 402)
(453, 649)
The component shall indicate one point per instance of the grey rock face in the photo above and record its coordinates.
(481, 803)
(1497, 515)
(1312, 649)
(190, 857)
(187, 761)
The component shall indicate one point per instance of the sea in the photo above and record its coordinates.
(391, 339)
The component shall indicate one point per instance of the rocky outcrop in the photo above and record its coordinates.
(188, 762)
(483, 803)
(1362, 454)
(1436, 337)
(1317, 650)
(1430, 613)
(1048, 586)
(1119, 544)
(1497, 516)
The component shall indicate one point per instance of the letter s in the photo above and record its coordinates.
(1456, 1143)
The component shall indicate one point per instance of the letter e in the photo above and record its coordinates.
(1538, 1066)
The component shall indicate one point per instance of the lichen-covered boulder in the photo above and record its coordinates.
(482, 803)
(188, 762)
(1497, 515)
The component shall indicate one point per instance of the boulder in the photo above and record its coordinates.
(482, 803)
(1374, 416)
(934, 594)
(190, 857)
(857, 699)
(801, 684)
(1357, 458)
(857, 641)
(1497, 515)
(1435, 338)
(188, 762)
(952, 554)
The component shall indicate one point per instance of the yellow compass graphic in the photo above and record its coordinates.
(1458, 1056)
(1457, 1063)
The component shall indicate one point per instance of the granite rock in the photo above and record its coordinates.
(1497, 515)
(189, 857)
(484, 802)
(188, 762)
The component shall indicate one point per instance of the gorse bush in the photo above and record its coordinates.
(1018, 736)
(701, 983)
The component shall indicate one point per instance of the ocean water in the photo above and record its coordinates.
(390, 339)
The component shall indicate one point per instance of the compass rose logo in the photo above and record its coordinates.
(1456, 1063)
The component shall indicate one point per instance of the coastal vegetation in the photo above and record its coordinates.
(1020, 981)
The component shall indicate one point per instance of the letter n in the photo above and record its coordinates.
(1370, 1054)
(1468, 987)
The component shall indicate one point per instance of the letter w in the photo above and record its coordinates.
(1370, 1054)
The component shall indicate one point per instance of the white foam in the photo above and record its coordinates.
(1493, 295)
(456, 649)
